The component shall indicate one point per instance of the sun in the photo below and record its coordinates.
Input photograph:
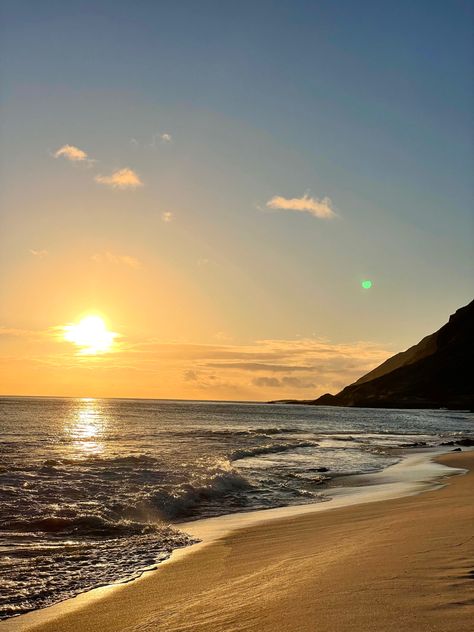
(90, 334)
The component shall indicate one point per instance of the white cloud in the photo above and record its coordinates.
(39, 253)
(321, 209)
(121, 179)
(110, 257)
(167, 216)
(160, 138)
(70, 152)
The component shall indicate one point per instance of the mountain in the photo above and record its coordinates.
(435, 373)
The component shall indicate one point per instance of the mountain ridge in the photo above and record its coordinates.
(434, 373)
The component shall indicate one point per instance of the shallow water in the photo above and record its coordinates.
(89, 489)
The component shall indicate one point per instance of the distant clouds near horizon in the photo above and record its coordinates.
(267, 368)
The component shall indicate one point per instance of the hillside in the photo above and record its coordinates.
(435, 373)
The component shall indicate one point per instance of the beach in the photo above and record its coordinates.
(398, 564)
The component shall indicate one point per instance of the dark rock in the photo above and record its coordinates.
(457, 450)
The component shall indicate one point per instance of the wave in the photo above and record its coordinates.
(86, 525)
(132, 461)
(248, 432)
(276, 430)
(141, 512)
(222, 480)
(271, 448)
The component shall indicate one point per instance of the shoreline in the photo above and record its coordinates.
(417, 473)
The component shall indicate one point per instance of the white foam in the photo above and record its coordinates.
(413, 474)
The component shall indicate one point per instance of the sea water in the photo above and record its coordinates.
(91, 489)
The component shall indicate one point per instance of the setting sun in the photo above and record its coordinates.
(90, 334)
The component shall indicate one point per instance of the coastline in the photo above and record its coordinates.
(280, 546)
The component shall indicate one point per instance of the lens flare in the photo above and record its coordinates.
(366, 284)
(90, 334)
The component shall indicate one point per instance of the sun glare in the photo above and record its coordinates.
(90, 334)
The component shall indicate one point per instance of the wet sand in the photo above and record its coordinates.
(404, 565)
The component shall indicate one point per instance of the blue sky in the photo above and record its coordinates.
(366, 103)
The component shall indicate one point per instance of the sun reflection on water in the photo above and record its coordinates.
(86, 426)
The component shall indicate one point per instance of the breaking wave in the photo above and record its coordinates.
(270, 449)
(179, 503)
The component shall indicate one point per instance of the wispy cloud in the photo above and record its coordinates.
(322, 209)
(309, 366)
(121, 179)
(110, 257)
(190, 375)
(259, 366)
(70, 152)
(37, 335)
(41, 254)
(160, 138)
(285, 382)
(167, 216)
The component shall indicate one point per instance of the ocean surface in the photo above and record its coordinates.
(90, 489)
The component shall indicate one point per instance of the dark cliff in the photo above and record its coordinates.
(435, 373)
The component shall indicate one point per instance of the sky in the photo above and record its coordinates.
(215, 180)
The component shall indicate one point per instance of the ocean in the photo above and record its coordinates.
(92, 490)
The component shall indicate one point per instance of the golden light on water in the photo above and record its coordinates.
(86, 427)
(91, 335)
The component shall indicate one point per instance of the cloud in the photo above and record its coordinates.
(321, 209)
(70, 152)
(190, 376)
(41, 254)
(121, 179)
(272, 382)
(259, 366)
(109, 257)
(223, 336)
(304, 367)
(287, 381)
(19, 333)
(167, 216)
(160, 138)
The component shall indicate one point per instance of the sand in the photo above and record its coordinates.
(404, 564)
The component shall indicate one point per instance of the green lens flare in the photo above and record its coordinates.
(366, 284)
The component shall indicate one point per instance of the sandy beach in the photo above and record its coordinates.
(402, 564)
